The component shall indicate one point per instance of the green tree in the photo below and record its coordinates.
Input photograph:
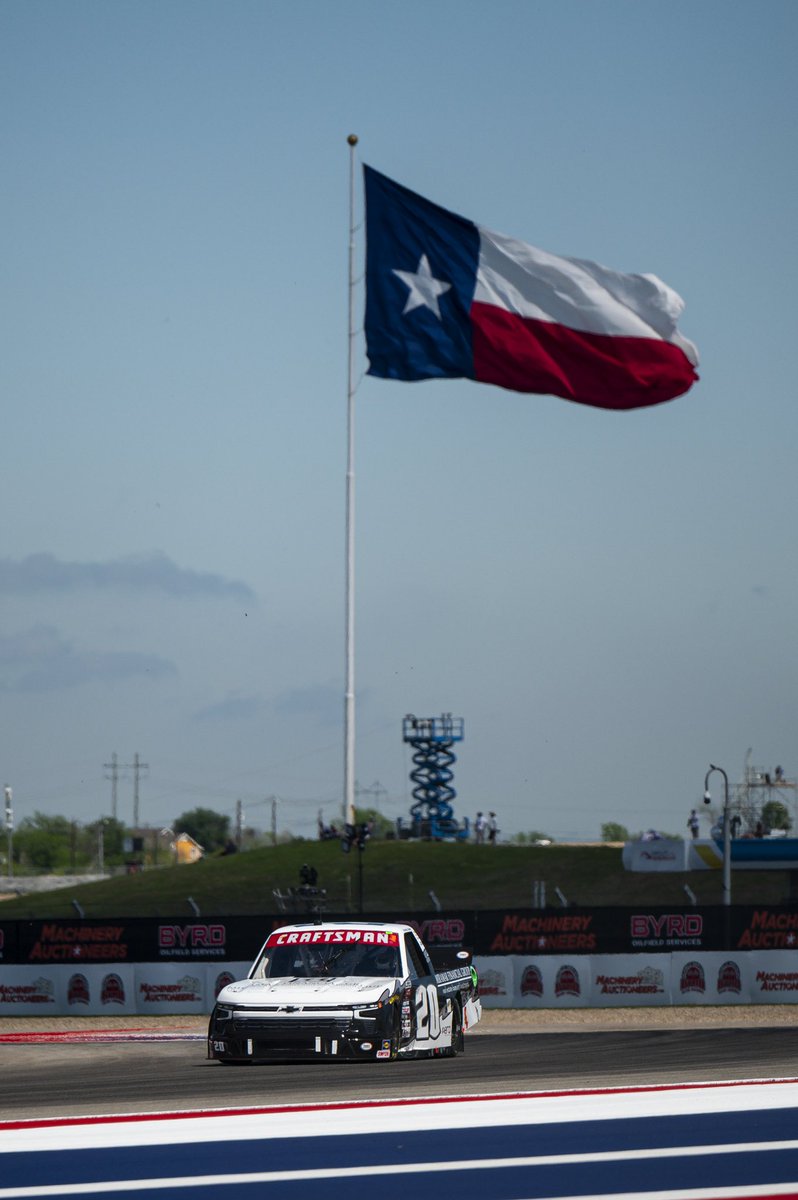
(211, 829)
(43, 843)
(38, 850)
(54, 844)
(611, 831)
(113, 841)
(381, 826)
(775, 816)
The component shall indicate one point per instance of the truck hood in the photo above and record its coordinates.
(348, 990)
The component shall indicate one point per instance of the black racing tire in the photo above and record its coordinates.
(396, 1033)
(458, 1037)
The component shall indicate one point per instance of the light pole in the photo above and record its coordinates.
(9, 830)
(726, 828)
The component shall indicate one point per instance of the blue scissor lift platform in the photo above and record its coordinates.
(432, 815)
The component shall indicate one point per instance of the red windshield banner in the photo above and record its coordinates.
(302, 937)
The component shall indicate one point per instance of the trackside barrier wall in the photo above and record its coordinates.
(127, 989)
(487, 932)
(615, 980)
(527, 958)
(509, 981)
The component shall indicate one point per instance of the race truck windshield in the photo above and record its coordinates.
(327, 962)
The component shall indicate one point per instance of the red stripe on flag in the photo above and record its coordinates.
(527, 355)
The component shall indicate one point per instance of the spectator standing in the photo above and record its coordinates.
(479, 829)
(493, 828)
(693, 823)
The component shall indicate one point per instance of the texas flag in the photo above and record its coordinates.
(448, 299)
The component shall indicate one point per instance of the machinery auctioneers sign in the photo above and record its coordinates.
(132, 941)
(580, 931)
(525, 958)
(603, 981)
(121, 989)
(598, 931)
(537, 932)
(505, 981)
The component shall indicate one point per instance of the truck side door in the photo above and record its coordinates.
(426, 1006)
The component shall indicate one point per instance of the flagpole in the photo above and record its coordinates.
(349, 698)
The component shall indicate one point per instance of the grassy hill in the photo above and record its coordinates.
(398, 877)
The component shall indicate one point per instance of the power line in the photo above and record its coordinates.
(113, 767)
(137, 766)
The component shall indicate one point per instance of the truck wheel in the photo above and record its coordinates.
(396, 1034)
(458, 1040)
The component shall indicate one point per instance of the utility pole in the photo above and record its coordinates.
(239, 822)
(113, 767)
(9, 830)
(137, 766)
(274, 820)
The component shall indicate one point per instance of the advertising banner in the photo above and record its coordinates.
(30, 992)
(632, 980)
(552, 982)
(645, 980)
(658, 930)
(656, 854)
(219, 975)
(140, 939)
(569, 931)
(77, 941)
(505, 981)
(160, 988)
(765, 929)
(92, 990)
(716, 978)
(439, 931)
(171, 988)
(8, 941)
(496, 982)
(774, 978)
(540, 931)
(525, 932)
(206, 941)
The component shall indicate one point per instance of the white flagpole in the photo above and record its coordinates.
(349, 698)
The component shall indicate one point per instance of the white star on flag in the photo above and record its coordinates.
(424, 289)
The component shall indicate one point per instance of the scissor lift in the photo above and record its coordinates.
(432, 814)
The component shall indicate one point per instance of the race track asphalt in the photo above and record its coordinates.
(50, 1080)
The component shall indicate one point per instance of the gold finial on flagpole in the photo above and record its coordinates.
(352, 139)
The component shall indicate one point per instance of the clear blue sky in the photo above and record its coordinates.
(607, 599)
